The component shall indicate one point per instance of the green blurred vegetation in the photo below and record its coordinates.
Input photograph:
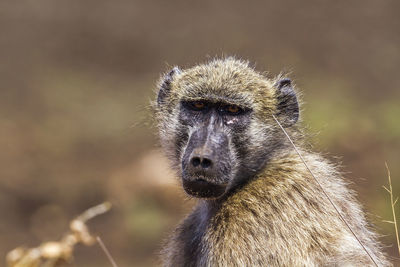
(76, 79)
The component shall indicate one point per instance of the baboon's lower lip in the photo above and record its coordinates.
(203, 189)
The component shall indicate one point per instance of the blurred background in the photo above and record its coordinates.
(76, 78)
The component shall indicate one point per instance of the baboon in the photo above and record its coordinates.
(258, 205)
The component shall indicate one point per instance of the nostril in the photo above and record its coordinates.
(205, 163)
(201, 162)
(195, 161)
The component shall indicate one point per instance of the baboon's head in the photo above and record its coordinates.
(216, 125)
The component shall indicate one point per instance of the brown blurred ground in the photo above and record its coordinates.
(76, 78)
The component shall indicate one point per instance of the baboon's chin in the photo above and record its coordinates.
(201, 188)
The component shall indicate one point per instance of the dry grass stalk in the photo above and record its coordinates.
(55, 253)
(324, 192)
(392, 204)
(108, 254)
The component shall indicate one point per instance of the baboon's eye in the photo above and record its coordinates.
(197, 105)
(232, 109)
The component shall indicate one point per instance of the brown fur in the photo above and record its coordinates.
(280, 217)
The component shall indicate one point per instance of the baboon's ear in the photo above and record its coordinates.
(165, 86)
(288, 107)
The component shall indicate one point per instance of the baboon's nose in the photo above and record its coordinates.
(201, 162)
(206, 154)
(201, 159)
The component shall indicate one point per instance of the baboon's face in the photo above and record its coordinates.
(210, 156)
(216, 124)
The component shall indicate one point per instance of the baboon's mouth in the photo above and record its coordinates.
(203, 189)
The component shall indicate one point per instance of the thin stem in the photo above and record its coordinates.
(392, 203)
(327, 196)
(108, 254)
(94, 211)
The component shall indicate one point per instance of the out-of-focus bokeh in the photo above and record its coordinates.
(76, 78)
